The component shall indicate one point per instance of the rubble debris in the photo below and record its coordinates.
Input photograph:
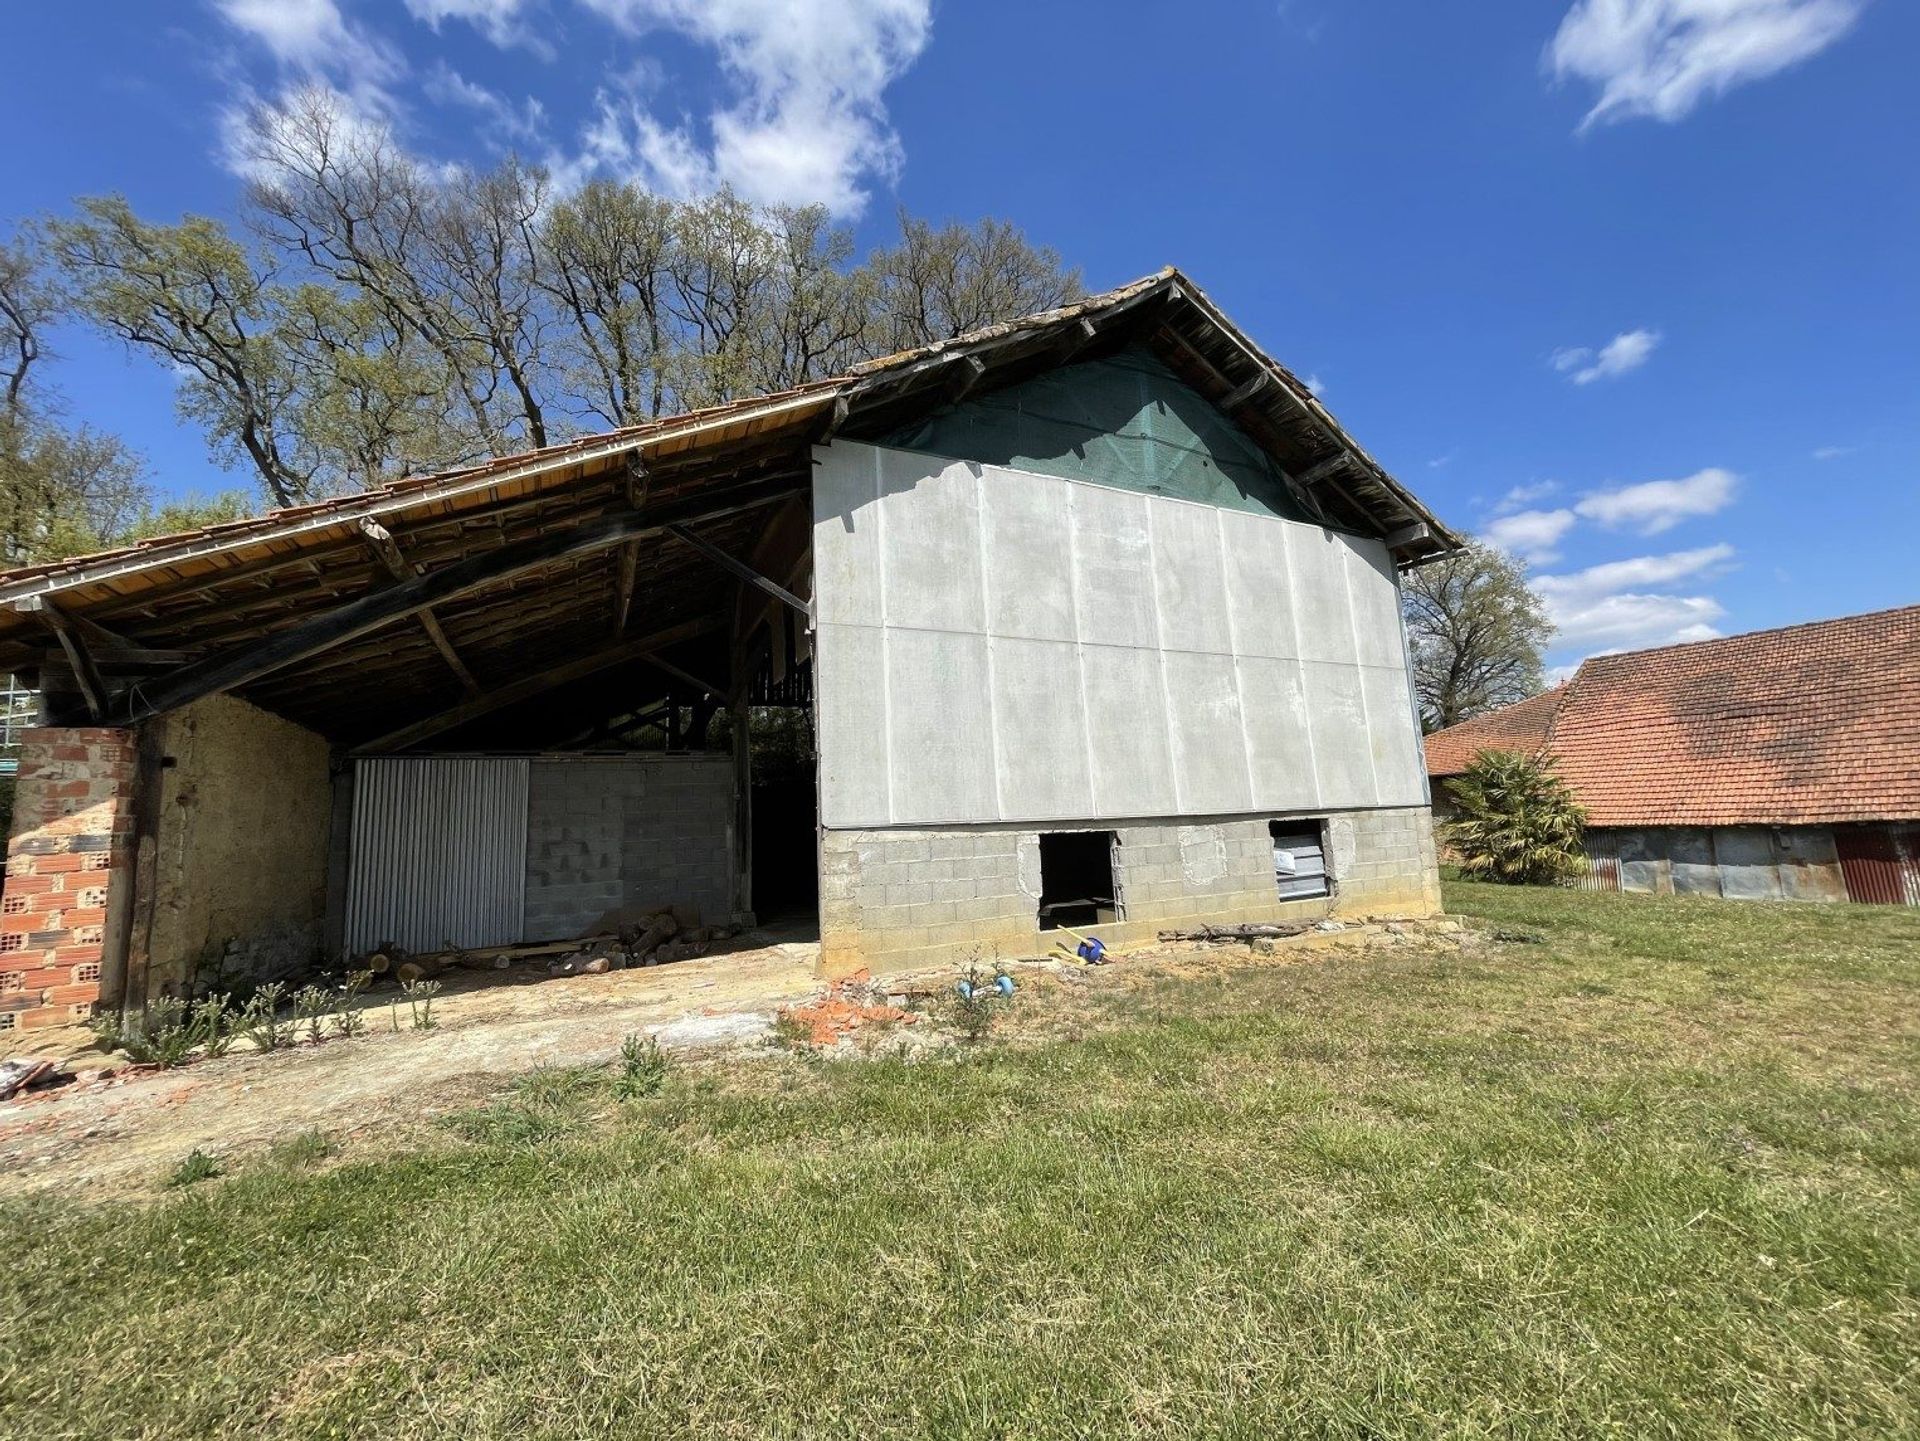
(23, 1073)
(1248, 932)
(847, 1005)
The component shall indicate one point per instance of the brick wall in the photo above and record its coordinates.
(69, 860)
(627, 831)
(892, 900)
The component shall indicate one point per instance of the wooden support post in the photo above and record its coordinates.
(742, 808)
(1241, 394)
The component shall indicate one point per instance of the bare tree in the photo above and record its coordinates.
(939, 283)
(1477, 632)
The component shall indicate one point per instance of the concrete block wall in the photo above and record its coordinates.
(608, 832)
(895, 900)
(69, 872)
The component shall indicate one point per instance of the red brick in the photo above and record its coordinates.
(73, 995)
(41, 1017)
(78, 953)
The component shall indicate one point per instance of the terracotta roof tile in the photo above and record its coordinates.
(1522, 726)
(1808, 724)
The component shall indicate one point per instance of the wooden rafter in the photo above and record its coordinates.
(381, 541)
(342, 623)
(739, 568)
(86, 674)
(627, 558)
(639, 648)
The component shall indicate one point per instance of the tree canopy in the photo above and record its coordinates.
(372, 316)
(1477, 633)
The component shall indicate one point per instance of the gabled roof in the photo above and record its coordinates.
(1808, 724)
(206, 596)
(1523, 726)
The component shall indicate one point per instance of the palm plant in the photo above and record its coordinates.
(1517, 822)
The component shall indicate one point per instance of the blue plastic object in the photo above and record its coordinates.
(1093, 951)
(1004, 985)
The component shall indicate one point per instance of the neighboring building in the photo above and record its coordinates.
(1097, 613)
(1781, 764)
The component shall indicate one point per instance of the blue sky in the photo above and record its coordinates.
(1632, 286)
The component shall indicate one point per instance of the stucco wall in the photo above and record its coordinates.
(998, 645)
(240, 843)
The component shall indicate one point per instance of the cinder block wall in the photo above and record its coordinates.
(69, 862)
(896, 900)
(607, 832)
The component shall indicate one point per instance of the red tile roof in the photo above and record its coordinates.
(1523, 726)
(1809, 724)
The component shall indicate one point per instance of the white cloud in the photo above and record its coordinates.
(1522, 496)
(1661, 58)
(806, 122)
(524, 123)
(1530, 534)
(313, 38)
(1657, 505)
(1618, 605)
(1316, 387)
(1832, 452)
(1629, 350)
(501, 21)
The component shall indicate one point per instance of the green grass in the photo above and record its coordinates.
(1654, 1174)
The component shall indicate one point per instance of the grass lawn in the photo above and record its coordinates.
(1655, 1172)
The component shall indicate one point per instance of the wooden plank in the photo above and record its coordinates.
(93, 686)
(356, 618)
(527, 687)
(1322, 469)
(1241, 394)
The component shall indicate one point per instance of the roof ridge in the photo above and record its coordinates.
(1749, 634)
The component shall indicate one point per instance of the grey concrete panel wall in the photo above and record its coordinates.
(998, 645)
(608, 832)
(899, 899)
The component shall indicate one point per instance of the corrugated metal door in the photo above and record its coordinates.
(1299, 861)
(1603, 864)
(439, 853)
(1881, 864)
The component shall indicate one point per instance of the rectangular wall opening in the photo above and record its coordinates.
(1299, 859)
(1076, 879)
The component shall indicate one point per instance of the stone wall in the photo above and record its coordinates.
(603, 833)
(239, 865)
(69, 869)
(893, 900)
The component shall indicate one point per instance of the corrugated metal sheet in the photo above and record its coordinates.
(1881, 864)
(1299, 862)
(439, 852)
(1603, 864)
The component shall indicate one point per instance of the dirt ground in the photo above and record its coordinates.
(114, 1130)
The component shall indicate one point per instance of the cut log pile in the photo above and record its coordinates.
(642, 936)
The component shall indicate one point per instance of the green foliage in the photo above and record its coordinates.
(1476, 632)
(298, 1152)
(975, 1004)
(1652, 1176)
(420, 996)
(311, 1007)
(348, 1018)
(168, 1031)
(260, 1019)
(643, 1068)
(197, 1167)
(1516, 821)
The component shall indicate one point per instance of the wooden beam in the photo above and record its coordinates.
(740, 568)
(93, 686)
(527, 687)
(356, 618)
(1079, 336)
(1321, 469)
(626, 561)
(967, 373)
(831, 422)
(684, 677)
(388, 549)
(1409, 535)
(1241, 394)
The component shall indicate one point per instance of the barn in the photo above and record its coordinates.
(1091, 618)
(1778, 765)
